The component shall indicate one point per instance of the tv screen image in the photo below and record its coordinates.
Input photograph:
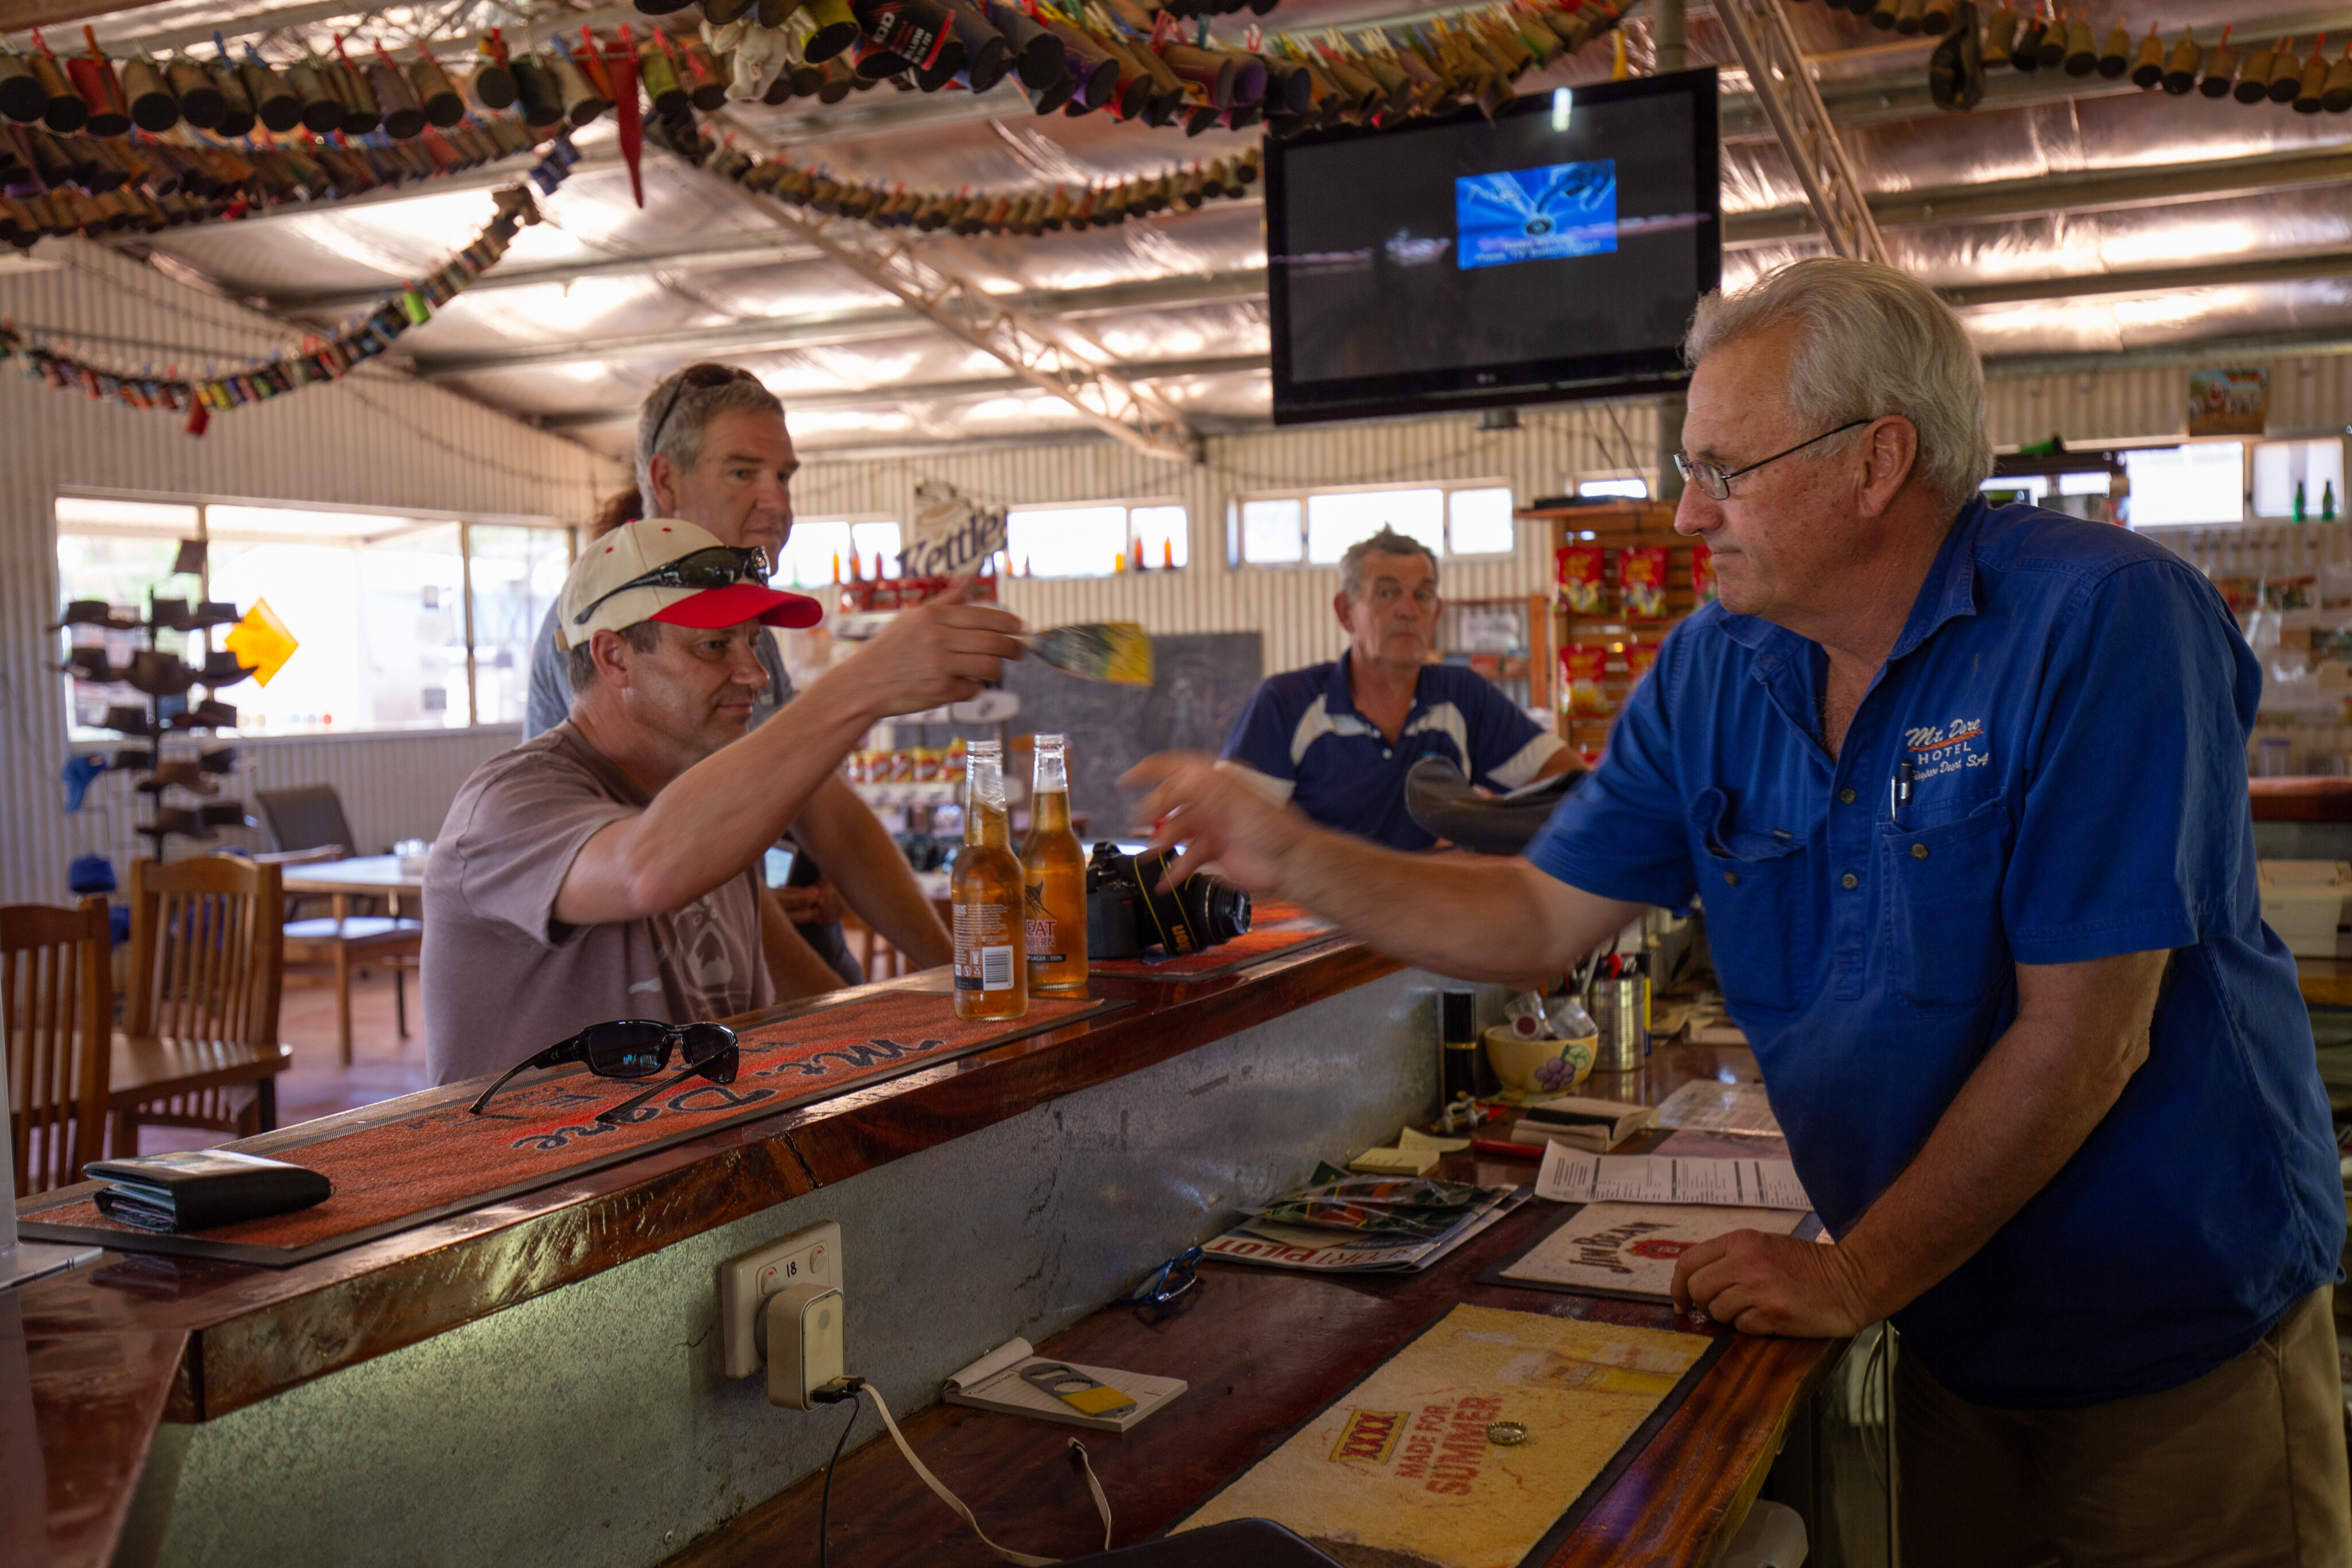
(1555, 252)
(1535, 215)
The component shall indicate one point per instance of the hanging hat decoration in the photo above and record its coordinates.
(362, 336)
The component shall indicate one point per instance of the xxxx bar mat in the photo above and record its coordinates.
(405, 1170)
(1277, 928)
(1420, 1463)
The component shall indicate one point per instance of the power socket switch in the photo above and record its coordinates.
(810, 1257)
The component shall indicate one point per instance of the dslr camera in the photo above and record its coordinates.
(1127, 915)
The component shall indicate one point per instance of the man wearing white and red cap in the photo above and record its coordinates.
(604, 870)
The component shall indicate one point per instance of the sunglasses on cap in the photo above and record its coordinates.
(702, 377)
(718, 566)
(636, 1048)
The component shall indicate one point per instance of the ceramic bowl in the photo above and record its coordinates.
(1539, 1068)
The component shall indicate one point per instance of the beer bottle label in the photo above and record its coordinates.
(1040, 926)
(984, 949)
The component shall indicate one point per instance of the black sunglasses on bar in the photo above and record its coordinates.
(636, 1048)
(720, 565)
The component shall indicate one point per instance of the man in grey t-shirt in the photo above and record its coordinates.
(713, 449)
(602, 870)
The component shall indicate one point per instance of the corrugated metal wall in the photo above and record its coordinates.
(376, 439)
(1290, 605)
(2307, 395)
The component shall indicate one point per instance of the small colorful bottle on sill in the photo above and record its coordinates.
(991, 970)
(1054, 865)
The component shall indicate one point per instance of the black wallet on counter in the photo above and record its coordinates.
(197, 1190)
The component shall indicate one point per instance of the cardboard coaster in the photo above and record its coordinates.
(405, 1169)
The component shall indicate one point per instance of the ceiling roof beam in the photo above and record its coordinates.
(1784, 90)
(2153, 281)
(932, 391)
(2071, 191)
(810, 328)
(714, 255)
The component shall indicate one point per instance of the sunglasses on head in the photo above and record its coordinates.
(636, 1048)
(718, 566)
(702, 377)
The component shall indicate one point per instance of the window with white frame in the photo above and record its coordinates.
(1097, 539)
(822, 550)
(399, 623)
(2200, 482)
(1315, 527)
(2299, 479)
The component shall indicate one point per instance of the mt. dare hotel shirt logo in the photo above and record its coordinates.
(1935, 749)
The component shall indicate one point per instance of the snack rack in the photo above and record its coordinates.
(1615, 526)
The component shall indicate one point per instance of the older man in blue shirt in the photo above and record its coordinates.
(1962, 791)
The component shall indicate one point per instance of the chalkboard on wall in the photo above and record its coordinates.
(1203, 680)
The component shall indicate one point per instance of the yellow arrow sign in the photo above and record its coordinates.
(261, 641)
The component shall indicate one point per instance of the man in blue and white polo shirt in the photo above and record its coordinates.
(1338, 740)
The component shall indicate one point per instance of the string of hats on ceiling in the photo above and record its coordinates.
(49, 357)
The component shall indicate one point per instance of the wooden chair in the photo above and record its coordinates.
(56, 1018)
(205, 964)
(323, 950)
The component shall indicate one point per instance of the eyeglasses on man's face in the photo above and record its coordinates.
(1716, 479)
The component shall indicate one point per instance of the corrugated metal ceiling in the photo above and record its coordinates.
(589, 308)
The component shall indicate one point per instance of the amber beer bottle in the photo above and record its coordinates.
(991, 974)
(1056, 865)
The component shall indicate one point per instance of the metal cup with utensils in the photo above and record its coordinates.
(1621, 1008)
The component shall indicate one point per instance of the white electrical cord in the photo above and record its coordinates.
(1019, 1559)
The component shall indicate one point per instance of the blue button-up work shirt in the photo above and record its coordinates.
(1302, 731)
(2074, 702)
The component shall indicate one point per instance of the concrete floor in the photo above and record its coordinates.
(383, 1066)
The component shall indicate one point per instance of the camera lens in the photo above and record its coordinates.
(1226, 909)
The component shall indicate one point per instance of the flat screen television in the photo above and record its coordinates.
(1553, 253)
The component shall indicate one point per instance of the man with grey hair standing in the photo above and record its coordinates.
(712, 449)
(1963, 791)
(1338, 740)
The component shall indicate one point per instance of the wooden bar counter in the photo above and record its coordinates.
(536, 1381)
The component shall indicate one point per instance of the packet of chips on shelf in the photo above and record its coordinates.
(1701, 573)
(1578, 570)
(1639, 657)
(1642, 575)
(1583, 667)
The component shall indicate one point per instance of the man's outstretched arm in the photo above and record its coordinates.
(1481, 918)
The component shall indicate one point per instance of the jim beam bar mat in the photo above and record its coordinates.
(406, 1170)
(1275, 928)
(1423, 1462)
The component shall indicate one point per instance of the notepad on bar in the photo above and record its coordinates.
(1596, 1126)
(994, 1383)
(1568, 1176)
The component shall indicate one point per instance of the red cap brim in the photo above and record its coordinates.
(740, 601)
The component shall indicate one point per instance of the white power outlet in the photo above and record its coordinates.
(810, 1257)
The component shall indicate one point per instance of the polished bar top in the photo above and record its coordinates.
(1263, 1350)
(140, 1338)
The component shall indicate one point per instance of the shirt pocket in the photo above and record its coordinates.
(1944, 937)
(1757, 890)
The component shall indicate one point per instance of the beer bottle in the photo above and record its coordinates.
(991, 977)
(1054, 865)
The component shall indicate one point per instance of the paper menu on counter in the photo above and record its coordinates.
(1571, 1176)
(1630, 1249)
(1708, 1104)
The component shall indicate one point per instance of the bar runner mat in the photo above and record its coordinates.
(1278, 928)
(404, 1171)
(1405, 1466)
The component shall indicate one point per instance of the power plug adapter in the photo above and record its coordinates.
(804, 1326)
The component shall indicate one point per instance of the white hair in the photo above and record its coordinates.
(1877, 341)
